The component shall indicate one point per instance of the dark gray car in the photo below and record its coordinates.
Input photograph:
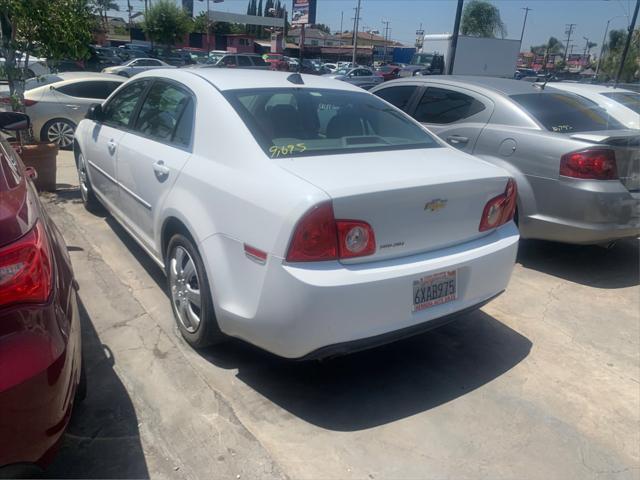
(359, 76)
(577, 169)
(241, 60)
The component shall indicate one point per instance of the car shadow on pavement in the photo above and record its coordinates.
(102, 439)
(589, 265)
(385, 384)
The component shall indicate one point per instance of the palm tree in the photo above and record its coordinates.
(482, 19)
(102, 7)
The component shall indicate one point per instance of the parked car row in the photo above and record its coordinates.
(259, 238)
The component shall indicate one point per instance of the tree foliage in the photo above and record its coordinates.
(613, 56)
(102, 7)
(323, 28)
(166, 23)
(44, 28)
(482, 19)
(553, 45)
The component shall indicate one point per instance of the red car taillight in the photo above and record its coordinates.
(25, 269)
(499, 210)
(593, 164)
(319, 236)
(27, 102)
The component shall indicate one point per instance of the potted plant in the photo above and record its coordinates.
(40, 28)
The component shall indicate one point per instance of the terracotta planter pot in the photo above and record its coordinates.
(42, 157)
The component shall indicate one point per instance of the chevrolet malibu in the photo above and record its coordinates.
(300, 214)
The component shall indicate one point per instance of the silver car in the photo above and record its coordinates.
(137, 65)
(359, 76)
(57, 102)
(577, 169)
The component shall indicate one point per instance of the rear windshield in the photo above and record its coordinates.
(290, 122)
(41, 81)
(628, 99)
(566, 113)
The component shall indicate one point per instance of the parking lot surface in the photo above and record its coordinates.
(544, 382)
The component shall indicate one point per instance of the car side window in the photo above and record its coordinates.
(94, 89)
(184, 129)
(231, 60)
(363, 73)
(398, 96)
(135, 63)
(120, 108)
(161, 110)
(442, 106)
(244, 62)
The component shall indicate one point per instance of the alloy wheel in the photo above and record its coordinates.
(60, 132)
(185, 289)
(82, 178)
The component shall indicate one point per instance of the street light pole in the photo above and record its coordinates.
(355, 35)
(454, 39)
(626, 44)
(208, 29)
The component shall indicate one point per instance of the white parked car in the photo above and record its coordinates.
(621, 104)
(58, 101)
(332, 67)
(136, 66)
(300, 214)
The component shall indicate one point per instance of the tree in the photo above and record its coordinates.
(51, 29)
(102, 7)
(482, 19)
(631, 68)
(166, 23)
(323, 28)
(553, 45)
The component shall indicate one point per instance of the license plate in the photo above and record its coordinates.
(434, 290)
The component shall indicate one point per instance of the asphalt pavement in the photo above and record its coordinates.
(542, 383)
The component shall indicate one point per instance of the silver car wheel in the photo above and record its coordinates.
(82, 178)
(185, 289)
(60, 132)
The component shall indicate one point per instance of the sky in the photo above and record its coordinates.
(547, 17)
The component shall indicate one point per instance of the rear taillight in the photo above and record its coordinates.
(27, 102)
(592, 164)
(25, 269)
(499, 210)
(319, 236)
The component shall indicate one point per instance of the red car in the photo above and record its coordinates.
(40, 346)
(277, 62)
(388, 72)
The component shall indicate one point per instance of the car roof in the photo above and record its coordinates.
(239, 79)
(503, 86)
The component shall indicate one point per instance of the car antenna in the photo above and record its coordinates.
(541, 87)
(296, 78)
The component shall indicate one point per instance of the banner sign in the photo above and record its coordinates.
(303, 12)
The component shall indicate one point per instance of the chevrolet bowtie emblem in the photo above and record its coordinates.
(435, 205)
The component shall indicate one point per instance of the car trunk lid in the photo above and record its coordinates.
(626, 145)
(415, 200)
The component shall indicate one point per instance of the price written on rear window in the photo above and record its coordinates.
(284, 150)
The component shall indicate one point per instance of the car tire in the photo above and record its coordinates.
(190, 293)
(59, 131)
(89, 199)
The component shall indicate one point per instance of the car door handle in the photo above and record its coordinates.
(457, 140)
(161, 169)
(73, 107)
(111, 146)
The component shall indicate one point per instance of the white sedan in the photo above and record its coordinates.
(300, 214)
(621, 104)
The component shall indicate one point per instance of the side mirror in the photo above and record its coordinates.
(95, 113)
(14, 121)
(31, 173)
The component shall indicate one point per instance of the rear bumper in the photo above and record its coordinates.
(583, 212)
(302, 309)
(36, 403)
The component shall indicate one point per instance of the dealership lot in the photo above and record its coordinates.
(542, 382)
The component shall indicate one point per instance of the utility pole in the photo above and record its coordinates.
(524, 24)
(626, 44)
(341, 20)
(568, 30)
(386, 37)
(356, 21)
(129, 11)
(454, 40)
(208, 29)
